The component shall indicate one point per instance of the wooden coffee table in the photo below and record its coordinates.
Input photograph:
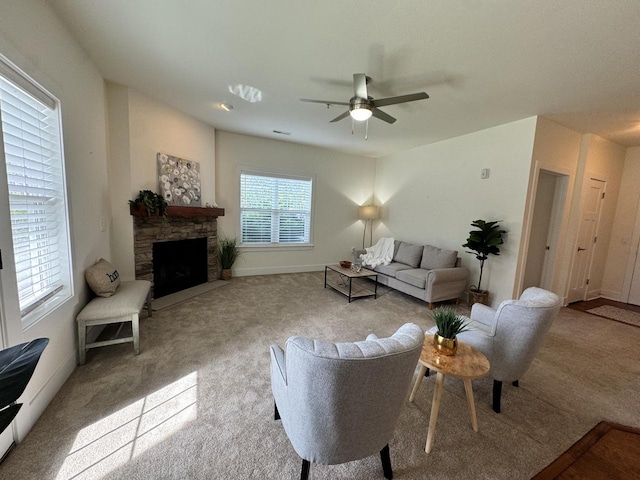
(343, 282)
(468, 364)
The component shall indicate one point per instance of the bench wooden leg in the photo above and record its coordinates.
(135, 327)
(82, 341)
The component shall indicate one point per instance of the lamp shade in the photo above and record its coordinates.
(368, 212)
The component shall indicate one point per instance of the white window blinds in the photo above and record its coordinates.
(275, 209)
(35, 175)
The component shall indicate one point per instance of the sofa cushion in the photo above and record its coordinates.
(409, 254)
(415, 276)
(434, 257)
(392, 269)
(103, 278)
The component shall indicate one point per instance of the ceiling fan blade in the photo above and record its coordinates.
(360, 85)
(382, 116)
(340, 117)
(325, 102)
(382, 102)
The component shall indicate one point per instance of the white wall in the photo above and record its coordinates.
(431, 195)
(32, 37)
(140, 127)
(556, 149)
(342, 183)
(623, 245)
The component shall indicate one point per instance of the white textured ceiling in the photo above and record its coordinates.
(483, 62)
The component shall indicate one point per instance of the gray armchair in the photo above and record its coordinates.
(511, 335)
(341, 402)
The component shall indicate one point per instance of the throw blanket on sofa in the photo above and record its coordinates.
(379, 254)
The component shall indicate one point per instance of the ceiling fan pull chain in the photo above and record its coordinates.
(353, 126)
(366, 130)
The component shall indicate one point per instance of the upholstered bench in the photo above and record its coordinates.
(123, 306)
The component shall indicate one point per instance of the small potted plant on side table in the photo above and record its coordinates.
(228, 253)
(449, 325)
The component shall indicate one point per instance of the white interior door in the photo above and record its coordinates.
(540, 226)
(590, 215)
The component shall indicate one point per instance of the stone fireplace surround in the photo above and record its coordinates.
(181, 223)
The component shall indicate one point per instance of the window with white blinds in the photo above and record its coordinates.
(32, 144)
(275, 209)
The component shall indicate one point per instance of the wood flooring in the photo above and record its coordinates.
(608, 451)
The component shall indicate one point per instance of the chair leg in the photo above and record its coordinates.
(497, 391)
(276, 413)
(426, 374)
(304, 474)
(386, 462)
(515, 384)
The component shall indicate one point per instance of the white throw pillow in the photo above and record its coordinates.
(103, 278)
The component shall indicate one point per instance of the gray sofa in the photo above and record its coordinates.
(423, 271)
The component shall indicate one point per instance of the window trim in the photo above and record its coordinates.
(272, 172)
(56, 298)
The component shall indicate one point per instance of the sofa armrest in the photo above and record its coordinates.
(356, 254)
(485, 315)
(445, 275)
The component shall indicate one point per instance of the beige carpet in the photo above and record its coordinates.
(618, 314)
(196, 403)
(182, 295)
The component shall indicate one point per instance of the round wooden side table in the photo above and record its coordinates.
(468, 364)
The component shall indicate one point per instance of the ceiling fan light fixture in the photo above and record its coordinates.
(360, 114)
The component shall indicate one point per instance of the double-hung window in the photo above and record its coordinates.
(275, 209)
(33, 158)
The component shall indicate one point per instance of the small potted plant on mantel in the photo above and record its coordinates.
(483, 242)
(153, 202)
(228, 253)
(449, 325)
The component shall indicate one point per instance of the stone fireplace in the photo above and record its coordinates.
(182, 223)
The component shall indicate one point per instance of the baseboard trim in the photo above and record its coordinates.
(593, 294)
(36, 406)
(612, 295)
(245, 272)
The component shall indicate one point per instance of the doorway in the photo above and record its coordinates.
(545, 228)
(587, 237)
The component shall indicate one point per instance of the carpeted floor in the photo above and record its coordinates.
(196, 402)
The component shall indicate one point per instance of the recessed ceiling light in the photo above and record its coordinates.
(226, 107)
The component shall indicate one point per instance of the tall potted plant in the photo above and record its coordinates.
(228, 253)
(483, 242)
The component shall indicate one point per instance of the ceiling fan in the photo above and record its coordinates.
(362, 106)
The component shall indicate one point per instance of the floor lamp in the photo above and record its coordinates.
(368, 213)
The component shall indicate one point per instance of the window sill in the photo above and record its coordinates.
(46, 308)
(264, 247)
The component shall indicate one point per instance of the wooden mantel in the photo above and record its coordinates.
(141, 211)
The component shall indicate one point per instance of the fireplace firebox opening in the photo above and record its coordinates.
(178, 265)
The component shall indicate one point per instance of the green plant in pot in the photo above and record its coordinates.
(228, 253)
(153, 202)
(483, 242)
(449, 325)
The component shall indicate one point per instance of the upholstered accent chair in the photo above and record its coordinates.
(511, 336)
(340, 402)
